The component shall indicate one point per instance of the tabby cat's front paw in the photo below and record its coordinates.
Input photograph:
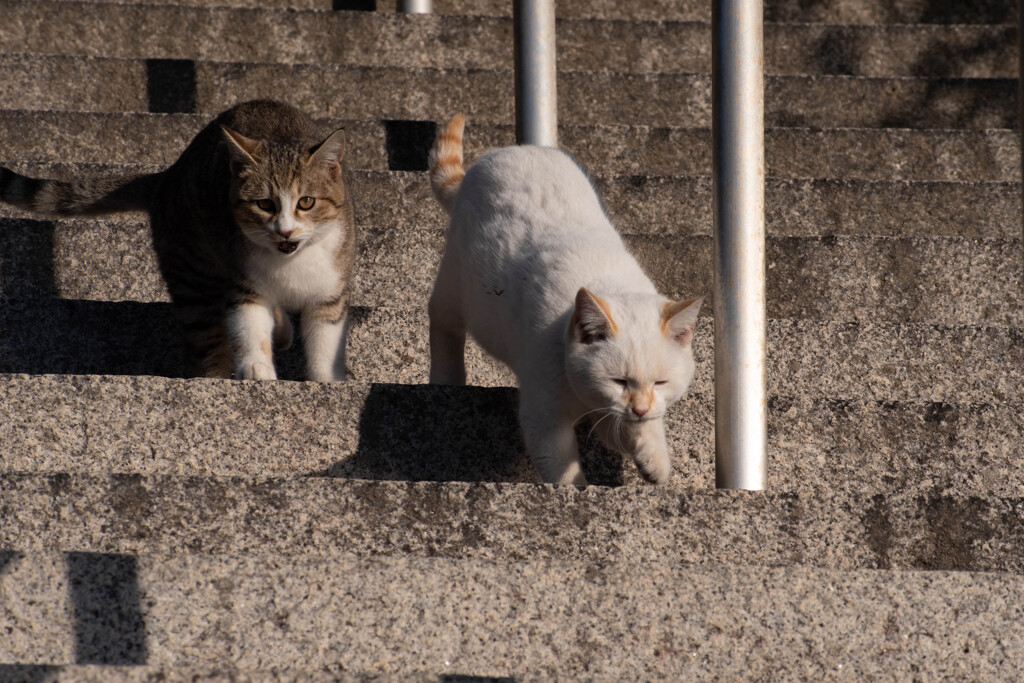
(256, 370)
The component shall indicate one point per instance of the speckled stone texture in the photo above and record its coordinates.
(379, 39)
(801, 11)
(947, 280)
(863, 153)
(140, 515)
(681, 206)
(861, 361)
(538, 619)
(98, 673)
(821, 11)
(388, 432)
(585, 96)
(160, 529)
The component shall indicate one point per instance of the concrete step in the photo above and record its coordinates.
(862, 153)
(681, 205)
(834, 11)
(939, 362)
(531, 619)
(140, 673)
(381, 39)
(586, 97)
(169, 515)
(901, 440)
(945, 280)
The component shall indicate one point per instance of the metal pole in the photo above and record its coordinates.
(737, 85)
(416, 6)
(536, 96)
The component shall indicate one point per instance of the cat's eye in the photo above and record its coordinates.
(660, 382)
(266, 205)
(620, 381)
(306, 203)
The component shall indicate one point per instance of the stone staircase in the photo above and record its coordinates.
(156, 528)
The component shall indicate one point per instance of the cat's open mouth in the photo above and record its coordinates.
(287, 247)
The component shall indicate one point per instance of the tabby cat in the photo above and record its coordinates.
(252, 221)
(536, 273)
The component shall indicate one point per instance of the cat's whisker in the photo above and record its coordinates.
(618, 432)
(594, 426)
(577, 420)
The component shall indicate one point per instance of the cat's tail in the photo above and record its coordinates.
(446, 171)
(94, 196)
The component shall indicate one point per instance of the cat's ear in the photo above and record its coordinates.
(244, 151)
(678, 319)
(329, 153)
(592, 319)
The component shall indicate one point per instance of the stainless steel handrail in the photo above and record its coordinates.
(737, 80)
(416, 6)
(536, 93)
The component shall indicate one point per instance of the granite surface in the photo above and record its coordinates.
(389, 39)
(670, 99)
(139, 515)
(532, 619)
(820, 11)
(154, 426)
(806, 359)
(861, 153)
(681, 205)
(933, 280)
(154, 528)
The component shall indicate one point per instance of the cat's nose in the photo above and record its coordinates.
(640, 412)
(285, 232)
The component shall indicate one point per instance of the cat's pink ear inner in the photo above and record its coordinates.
(243, 150)
(678, 319)
(592, 319)
(329, 153)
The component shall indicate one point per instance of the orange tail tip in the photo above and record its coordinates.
(446, 170)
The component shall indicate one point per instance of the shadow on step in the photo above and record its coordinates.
(430, 433)
(42, 333)
(48, 335)
(109, 628)
(29, 673)
(931, 12)
(106, 610)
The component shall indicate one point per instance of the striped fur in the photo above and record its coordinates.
(251, 221)
(77, 198)
(446, 170)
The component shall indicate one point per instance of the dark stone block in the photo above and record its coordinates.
(408, 144)
(171, 84)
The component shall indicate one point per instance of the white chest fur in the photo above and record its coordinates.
(293, 282)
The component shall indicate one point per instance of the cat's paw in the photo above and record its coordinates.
(654, 464)
(656, 470)
(257, 369)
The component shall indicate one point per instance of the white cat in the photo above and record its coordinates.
(534, 270)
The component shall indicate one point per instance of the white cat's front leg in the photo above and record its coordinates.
(551, 443)
(645, 442)
(252, 324)
(447, 331)
(324, 342)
